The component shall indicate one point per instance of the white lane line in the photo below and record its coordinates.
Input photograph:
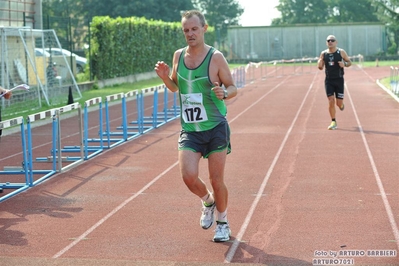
(393, 95)
(106, 217)
(384, 198)
(236, 242)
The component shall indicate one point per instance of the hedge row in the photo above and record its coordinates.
(125, 46)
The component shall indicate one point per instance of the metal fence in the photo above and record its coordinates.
(280, 68)
(26, 58)
(269, 43)
(72, 33)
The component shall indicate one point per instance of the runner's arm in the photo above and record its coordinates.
(346, 60)
(220, 74)
(163, 70)
(320, 62)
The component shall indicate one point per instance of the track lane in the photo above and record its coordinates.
(324, 164)
(162, 222)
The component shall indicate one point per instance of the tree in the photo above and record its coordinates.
(343, 11)
(388, 12)
(351, 11)
(301, 12)
(58, 15)
(325, 11)
(220, 14)
(166, 10)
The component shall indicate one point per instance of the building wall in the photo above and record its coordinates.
(302, 41)
(19, 13)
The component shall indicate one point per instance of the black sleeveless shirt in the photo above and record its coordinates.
(332, 68)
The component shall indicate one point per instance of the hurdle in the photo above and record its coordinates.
(157, 114)
(84, 148)
(92, 150)
(47, 166)
(129, 99)
(133, 128)
(166, 113)
(15, 171)
(149, 120)
(122, 133)
(238, 74)
(161, 113)
(70, 128)
(64, 122)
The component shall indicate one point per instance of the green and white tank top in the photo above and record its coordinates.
(200, 109)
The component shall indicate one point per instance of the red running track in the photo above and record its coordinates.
(299, 193)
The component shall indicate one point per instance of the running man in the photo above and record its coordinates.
(202, 77)
(334, 59)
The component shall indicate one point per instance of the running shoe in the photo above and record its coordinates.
(222, 232)
(342, 107)
(332, 126)
(207, 217)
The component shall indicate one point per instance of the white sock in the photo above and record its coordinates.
(208, 199)
(222, 216)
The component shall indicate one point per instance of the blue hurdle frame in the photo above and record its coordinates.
(123, 135)
(24, 171)
(95, 150)
(70, 149)
(135, 128)
(167, 113)
(130, 130)
(45, 173)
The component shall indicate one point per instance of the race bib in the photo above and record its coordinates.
(193, 110)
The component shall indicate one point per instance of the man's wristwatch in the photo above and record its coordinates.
(226, 94)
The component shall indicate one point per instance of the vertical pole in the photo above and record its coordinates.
(25, 158)
(101, 125)
(155, 109)
(107, 122)
(90, 64)
(124, 118)
(30, 160)
(86, 132)
(58, 117)
(81, 131)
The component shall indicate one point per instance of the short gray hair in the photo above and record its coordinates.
(190, 13)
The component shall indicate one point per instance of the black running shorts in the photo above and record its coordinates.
(335, 87)
(216, 139)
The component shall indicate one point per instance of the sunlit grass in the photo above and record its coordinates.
(380, 63)
(86, 95)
